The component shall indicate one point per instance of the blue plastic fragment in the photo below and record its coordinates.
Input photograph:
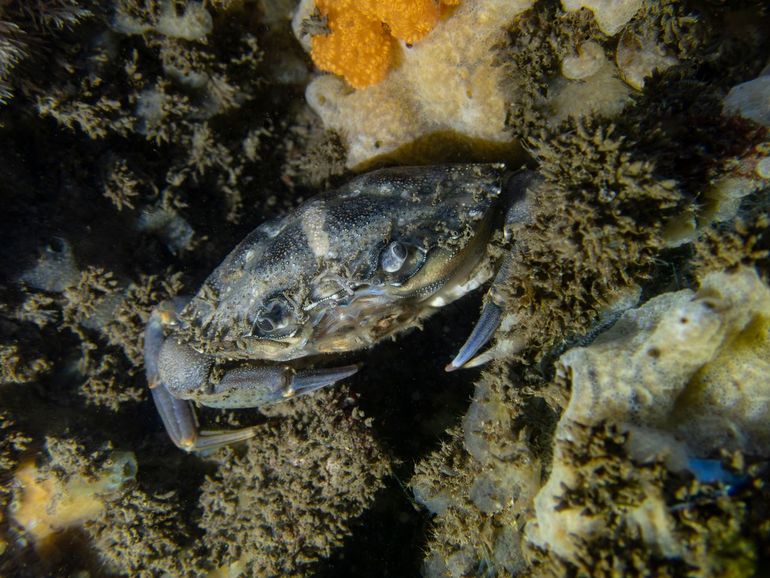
(710, 471)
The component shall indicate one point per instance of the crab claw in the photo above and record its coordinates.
(257, 386)
(242, 387)
(485, 328)
(489, 321)
(177, 374)
(518, 190)
(310, 380)
(178, 415)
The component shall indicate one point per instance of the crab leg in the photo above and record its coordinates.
(517, 189)
(240, 387)
(178, 415)
(181, 424)
(263, 385)
(268, 385)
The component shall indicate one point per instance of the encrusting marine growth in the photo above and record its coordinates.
(140, 140)
(360, 44)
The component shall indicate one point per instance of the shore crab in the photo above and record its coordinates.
(345, 270)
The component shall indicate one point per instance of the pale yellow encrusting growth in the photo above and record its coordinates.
(49, 503)
(611, 15)
(449, 81)
(693, 382)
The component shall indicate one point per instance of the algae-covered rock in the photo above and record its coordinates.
(145, 534)
(292, 496)
(479, 486)
(647, 471)
(694, 365)
(686, 376)
(69, 489)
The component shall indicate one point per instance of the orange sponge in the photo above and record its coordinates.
(357, 48)
(360, 43)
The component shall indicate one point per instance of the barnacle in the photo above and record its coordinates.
(360, 44)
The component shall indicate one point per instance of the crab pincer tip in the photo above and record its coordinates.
(451, 367)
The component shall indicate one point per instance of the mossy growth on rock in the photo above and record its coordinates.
(143, 534)
(542, 39)
(596, 231)
(293, 495)
(101, 317)
(13, 444)
(536, 44)
(28, 30)
(479, 485)
(461, 534)
(745, 241)
(707, 529)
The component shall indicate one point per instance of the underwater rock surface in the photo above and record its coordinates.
(141, 140)
(685, 376)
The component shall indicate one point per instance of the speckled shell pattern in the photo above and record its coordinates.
(339, 233)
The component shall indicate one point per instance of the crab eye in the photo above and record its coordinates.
(393, 257)
(274, 317)
(401, 260)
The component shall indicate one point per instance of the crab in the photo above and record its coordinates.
(347, 269)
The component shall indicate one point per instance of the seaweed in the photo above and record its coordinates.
(16, 369)
(144, 534)
(292, 495)
(536, 44)
(26, 27)
(169, 89)
(730, 245)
